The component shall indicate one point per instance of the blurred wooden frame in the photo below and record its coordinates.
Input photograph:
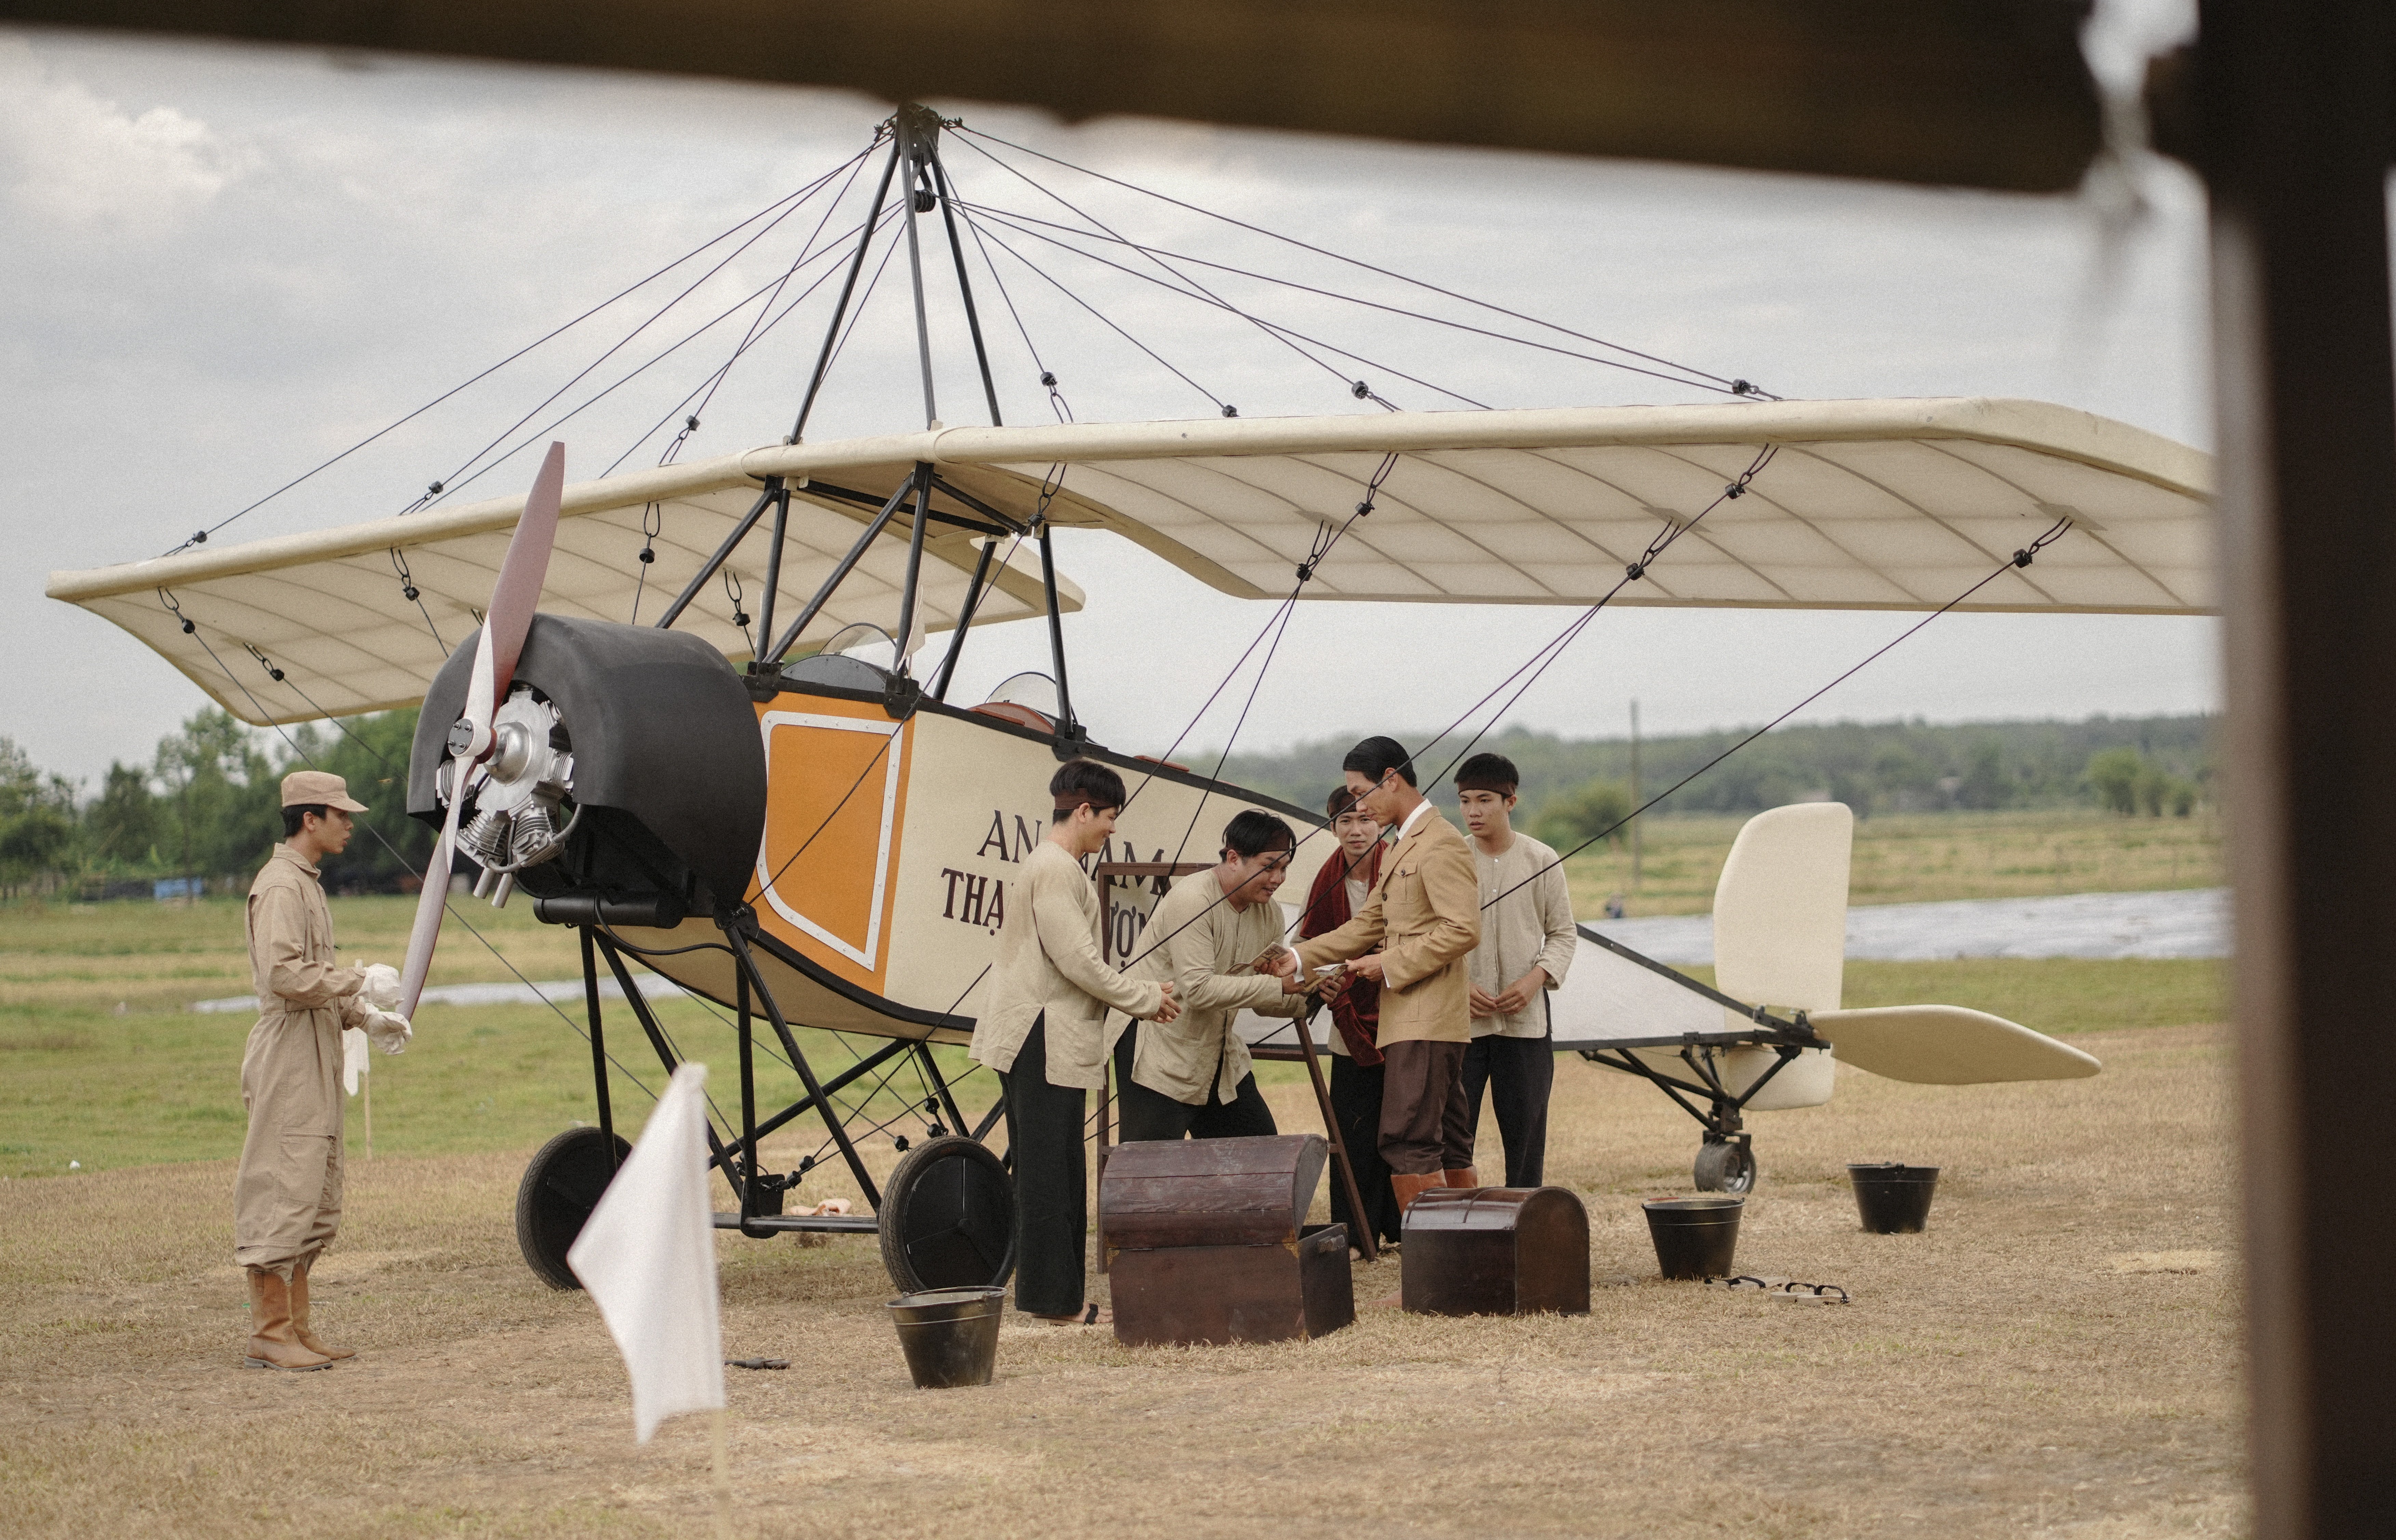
(1972, 93)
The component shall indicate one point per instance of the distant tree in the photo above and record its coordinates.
(221, 802)
(121, 828)
(2114, 776)
(1985, 784)
(37, 819)
(1589, 811)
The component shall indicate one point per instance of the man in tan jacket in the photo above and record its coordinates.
(287, 1191)
(1424, 912)
(1193, 1076)
(1050, 991)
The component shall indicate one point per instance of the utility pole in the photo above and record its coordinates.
(1635, 796)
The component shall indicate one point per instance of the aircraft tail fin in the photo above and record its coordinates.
(1780, 935)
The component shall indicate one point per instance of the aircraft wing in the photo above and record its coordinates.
(330, 607)
(1897, 505)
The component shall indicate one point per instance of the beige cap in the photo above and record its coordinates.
(306, 788)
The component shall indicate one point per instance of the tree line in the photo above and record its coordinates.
(2131, 766)
(206, 809)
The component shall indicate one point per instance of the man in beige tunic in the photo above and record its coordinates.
(288, 1194)
(1041, 1029)
(1193, 1076)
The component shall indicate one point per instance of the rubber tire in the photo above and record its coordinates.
(561, 1185)
(1723, 1166)
(948, 1217)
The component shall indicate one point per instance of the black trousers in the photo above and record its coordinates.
(1518, 1075)
(1044, 1134)
(1356, 1103)
(1148, 1114)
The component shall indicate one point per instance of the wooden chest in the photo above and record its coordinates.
(1495, 1250)
(1203, 1242)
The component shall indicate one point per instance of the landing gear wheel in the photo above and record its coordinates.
(1723, 1166)
(561, 1187)
(948, 1217)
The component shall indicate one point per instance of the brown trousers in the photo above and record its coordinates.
(1426, 1123)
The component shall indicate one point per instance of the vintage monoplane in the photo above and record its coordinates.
(783, 814)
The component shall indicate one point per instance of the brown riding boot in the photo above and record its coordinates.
(1467, 1177)
(273, 1344)
(300, 1315)
(1408, 1185)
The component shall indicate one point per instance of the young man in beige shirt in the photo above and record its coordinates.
(1193, 1076)
(1424, 913)
(1050, 991)
(1528, 941)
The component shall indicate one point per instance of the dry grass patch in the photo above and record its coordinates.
(2003, 1374)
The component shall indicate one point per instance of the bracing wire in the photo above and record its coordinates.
(1108, 322)
(1728, 386)
(1273, 328)
(1182, 281)
(800, 194)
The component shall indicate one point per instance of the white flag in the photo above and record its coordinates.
(647, 1255)
(354, 1057)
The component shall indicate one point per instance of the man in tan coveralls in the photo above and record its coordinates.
(288, 1194)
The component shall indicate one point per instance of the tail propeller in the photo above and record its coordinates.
(497, 646)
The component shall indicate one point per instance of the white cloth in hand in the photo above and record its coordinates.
(381, 989)
(389, 1031)
(353, 1058)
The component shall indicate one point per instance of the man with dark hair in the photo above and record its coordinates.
(1341, 888)
(1528, 941)
(1050, 991)
(1193, 1076)
(1424, 915)
(286, 1193)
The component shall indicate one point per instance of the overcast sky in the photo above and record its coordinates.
(223, 265)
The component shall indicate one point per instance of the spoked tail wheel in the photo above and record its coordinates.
(1725, 1167)
(561, 1187)
(948, 1217)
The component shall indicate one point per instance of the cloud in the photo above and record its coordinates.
(71, 159)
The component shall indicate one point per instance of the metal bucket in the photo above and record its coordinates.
(949, 1335)
(1695, 1237)
(1892, 1198)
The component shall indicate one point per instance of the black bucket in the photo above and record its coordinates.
(1894, 1197)
(1695, 1237)
(949, 1335)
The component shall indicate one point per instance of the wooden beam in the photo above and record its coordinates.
(1975, 93)
(2292, 99)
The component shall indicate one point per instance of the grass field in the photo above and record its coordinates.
(1923, 857)
(103, 1066)
(2056, 1357)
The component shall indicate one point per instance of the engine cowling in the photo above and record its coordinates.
(628, 776)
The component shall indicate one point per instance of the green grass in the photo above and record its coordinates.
(103, 1064)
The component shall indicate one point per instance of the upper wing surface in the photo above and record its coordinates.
(1862, 505)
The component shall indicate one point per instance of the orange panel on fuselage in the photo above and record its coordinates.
(835, 807)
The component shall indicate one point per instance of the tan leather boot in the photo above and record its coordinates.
(307, 1339)
(1407, 1187)
(273, 1344)
(1467, 1177)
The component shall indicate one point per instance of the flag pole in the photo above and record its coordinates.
(366, 1089)
(722, 1479)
